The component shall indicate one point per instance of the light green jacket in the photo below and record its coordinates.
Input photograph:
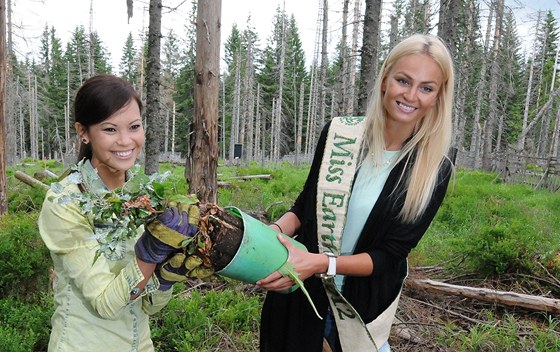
(93, 310)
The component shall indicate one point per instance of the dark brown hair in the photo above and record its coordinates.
(98, 99)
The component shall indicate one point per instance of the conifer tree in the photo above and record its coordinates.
(128, 66)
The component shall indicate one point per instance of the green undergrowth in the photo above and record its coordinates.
(494, 228)
(504, 334)
(224, 320)
(484, 227)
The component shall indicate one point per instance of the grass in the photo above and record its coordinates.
(485, 228)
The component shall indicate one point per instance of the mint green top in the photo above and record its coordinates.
(367, 187)
(93, 310)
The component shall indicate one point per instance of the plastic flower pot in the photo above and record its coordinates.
(259, 254)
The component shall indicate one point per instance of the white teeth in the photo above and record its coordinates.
(406, 107)
(123, 154)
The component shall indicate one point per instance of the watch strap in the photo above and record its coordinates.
(331, 271)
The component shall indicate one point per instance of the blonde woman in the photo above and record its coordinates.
(355, 275)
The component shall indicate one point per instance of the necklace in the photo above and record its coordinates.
(390, 160)
(389, 157)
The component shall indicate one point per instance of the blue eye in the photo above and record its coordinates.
(402, 81)
(427, 89)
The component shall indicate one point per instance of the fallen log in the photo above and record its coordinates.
(45, 174)
(28, 180)
(503, 298)
(250, 177)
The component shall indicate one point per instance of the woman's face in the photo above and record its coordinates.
(115, 143)
(411, 88)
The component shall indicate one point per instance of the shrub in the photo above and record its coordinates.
(24, 268)
(210, 321)
(26, 200)
(25, 326)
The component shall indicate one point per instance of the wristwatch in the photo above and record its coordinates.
(331, 271)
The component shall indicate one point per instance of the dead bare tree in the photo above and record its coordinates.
(324, 64)
(236, 107)
(352, 65)
(370, 43)
(521, 138)
(154, 124)
(463, 70)
(299, 128)
(203, 160)
(343, 63)
(278, 116)
(493, 94)
(3, 164)
(247, 138)
(545, 108)
(476, 135)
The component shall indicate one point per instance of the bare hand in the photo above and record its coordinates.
(304, 263)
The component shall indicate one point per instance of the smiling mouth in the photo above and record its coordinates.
(124, 154)
(406, 107)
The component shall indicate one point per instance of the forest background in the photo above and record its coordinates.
(273, 102)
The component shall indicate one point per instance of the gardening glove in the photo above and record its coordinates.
(166, 234)
(179, 268)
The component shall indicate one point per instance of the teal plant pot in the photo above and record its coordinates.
(260, 253)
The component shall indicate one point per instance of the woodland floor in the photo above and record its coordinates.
(421, 316)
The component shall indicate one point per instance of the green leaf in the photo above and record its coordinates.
(159, 189)
(288, 270)
(186, 242)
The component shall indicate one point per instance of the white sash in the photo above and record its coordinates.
(338, 167)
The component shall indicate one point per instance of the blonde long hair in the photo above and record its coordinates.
(432, 136)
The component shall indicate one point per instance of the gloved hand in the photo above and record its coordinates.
(166, 234)
(180, 267)
(173, 270)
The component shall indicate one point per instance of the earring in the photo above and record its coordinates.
(85, 141)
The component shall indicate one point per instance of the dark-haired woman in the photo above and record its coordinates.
(103, 304)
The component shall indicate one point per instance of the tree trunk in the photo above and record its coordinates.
(449, 12)
(311, 111)
(476, 137)
(463, 74)
(521, 138)
(234, 129)
(324, 64)
(343, 64)
(204, 140)
(368, 67)
(299, 127)
(3, 164)
(154, 124)
(173, 128)
(493, 94)
(258, 136)
(249, 104)
(224, 117)
(279, 102)
(556, 136)
(352, 66)
(545, 108)
(67, 108)
(272, 129)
